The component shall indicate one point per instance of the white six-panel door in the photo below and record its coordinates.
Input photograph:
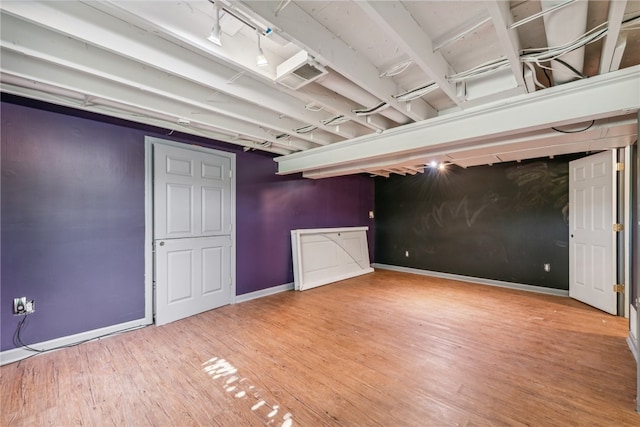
(192, 232)
(592, 239)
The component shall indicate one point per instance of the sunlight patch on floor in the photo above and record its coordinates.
(227, 376)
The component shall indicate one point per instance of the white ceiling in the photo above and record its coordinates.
(475, 70)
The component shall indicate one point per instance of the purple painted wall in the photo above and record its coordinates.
(270, 206)
(72, 217)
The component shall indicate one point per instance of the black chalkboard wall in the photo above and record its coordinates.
(501, 222)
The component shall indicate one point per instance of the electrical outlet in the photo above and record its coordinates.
(371, 215)
(22, 306)
(406, 254)
(19, 305)
(547, 267)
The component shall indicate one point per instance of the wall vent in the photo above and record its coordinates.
(298, 71)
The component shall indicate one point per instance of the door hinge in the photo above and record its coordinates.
(618, 288)
(619, 167)
(618, 227)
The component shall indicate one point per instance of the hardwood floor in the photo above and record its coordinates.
(385, 349)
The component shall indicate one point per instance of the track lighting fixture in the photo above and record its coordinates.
(438, 165)
(261, 60)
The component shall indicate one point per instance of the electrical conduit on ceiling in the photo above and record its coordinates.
(347, 89)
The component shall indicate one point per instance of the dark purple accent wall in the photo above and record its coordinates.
(72, 223)
(72, 217)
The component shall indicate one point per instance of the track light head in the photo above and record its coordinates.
(261, 60)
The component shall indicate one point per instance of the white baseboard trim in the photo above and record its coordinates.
(631, 341)
(264, 292)
(480, 281)
(16, 354)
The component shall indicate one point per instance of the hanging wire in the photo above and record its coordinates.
(18, 342)
(482, 69)
(417, 92)
(367, 111)
(539, 57)
(396, 69)
(539, 14)
(336, 120)
(575, 131)
(305, 129)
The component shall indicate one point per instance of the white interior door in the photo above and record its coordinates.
(192, 275)
(592, 239)
(192, 193)
(192, 231)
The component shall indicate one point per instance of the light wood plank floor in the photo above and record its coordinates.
(385, 349)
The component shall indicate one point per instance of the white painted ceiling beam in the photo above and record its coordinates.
(509, 40)
(99, 29)
(326, 98)
(233, 47)
(616, 14)
(605, 134)
(35, 41)
(459, 32)
(41, 70)
(378, 173)
(386, 165)
(329, 50)
(603, 96)
(66, 98)
(397, 22)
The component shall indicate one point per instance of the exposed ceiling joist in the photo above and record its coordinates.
(616, 14)
(134, 11)
(325, 98)
(502, 19)
(405, 31)
(64, 97)
(459, 31)
(333, 52)
(55, 50)
(33, 69)
(89, 24)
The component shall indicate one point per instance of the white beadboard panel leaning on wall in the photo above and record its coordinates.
(327, 255)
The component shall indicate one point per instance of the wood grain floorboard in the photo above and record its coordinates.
(384, 349)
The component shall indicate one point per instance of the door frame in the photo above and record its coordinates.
(149, 142)
(612, 237)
